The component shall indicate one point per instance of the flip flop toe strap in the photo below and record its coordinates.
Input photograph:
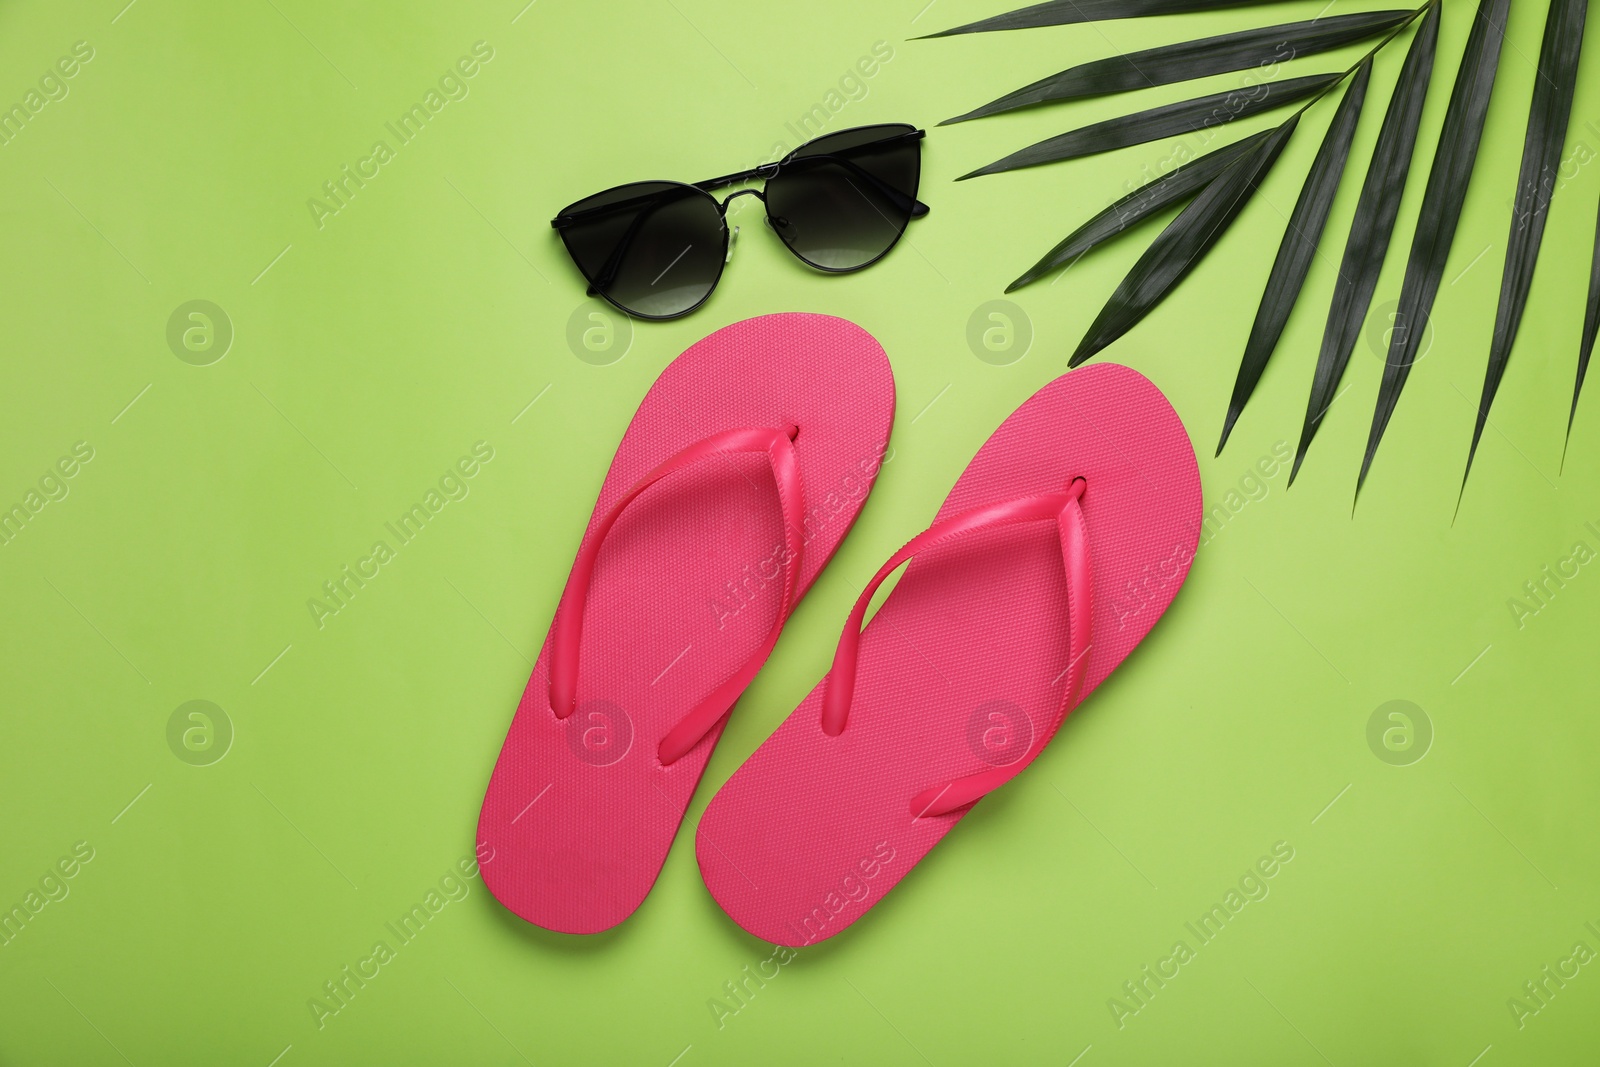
(777, 444)
(1065, 509)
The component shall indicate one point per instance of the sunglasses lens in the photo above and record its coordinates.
(840, 202)
(655, 249)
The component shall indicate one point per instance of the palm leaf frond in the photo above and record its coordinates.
(1591, 327)
(1168, 120)
(1299, 247)
(1143, 202)
(1183, 243)
(1376, 211)
(1553, 88)
(1069, 12)
(1441, 209)
(1209, 191)
(1189, 60)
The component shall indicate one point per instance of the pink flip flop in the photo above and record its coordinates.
(690, 566)
(1064, 540)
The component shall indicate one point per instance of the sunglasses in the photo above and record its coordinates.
(839, 203)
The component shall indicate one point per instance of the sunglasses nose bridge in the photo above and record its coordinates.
(731, 197)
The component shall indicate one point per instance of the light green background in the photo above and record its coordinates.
(431, 312)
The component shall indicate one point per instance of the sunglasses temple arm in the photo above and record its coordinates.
(916, 207)
(605, 210)
(608, 273)
(711, 184)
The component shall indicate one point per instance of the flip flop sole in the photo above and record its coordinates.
(963, 662)
(579, 811)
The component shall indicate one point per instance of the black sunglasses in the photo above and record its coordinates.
(839, 202)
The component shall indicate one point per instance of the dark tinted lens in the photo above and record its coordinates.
(653, 248)
(843, 200)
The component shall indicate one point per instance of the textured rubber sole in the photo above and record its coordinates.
(963, 661)
(579, 811)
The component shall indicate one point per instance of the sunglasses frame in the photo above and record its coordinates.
(567, 217)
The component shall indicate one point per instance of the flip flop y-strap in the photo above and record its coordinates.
(777, 444)
(1065, 509)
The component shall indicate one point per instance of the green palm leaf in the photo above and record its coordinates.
(1376, 212)
(1066, 12)
(1216, 187)
(1299, 246)
(1183, 243)
(1196, 59)
(1137, 206)
(1441, 209)
(1541, 161)
(1591, 327)
(1169, 120)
